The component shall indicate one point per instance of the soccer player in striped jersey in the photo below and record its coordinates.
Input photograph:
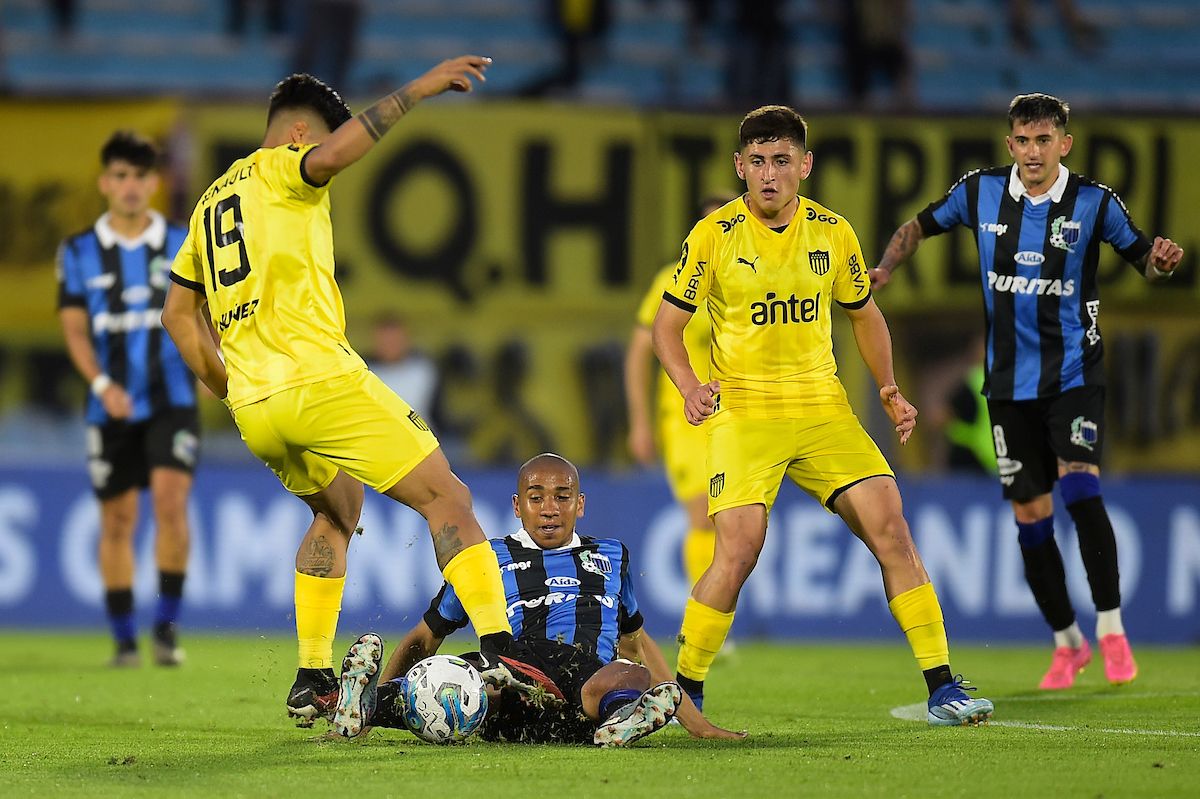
(141, 412)
(573, 609)
(258, 262)
(769, 266)
(1038, 229)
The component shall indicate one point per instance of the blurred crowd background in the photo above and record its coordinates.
(493, 251)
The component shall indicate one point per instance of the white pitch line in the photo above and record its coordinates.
(1059, 696)
(917, 712)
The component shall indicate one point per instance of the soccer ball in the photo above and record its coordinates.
(444, 699)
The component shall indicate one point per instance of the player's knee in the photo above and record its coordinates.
(893, 537)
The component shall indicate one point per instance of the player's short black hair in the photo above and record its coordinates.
(131, 147)
(302, 90)
(771, 123)
(1026, 108)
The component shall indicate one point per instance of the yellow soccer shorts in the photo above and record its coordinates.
(683, 451)
(748, 458)
(353, 422)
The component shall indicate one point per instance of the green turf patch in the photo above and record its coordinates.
(820, 717)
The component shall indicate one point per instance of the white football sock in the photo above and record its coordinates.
(1108, 622)
(1072, 637)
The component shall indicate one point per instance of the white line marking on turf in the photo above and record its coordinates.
(917, 712)
(1080, 697)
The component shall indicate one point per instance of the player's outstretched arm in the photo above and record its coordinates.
(186, 322)
(903, 244)
(352, 140)
(875, 345)
(644, 649)
(699, 399)
(639, 357)
(418, 644)
(1162, 260)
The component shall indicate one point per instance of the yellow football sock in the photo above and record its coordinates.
(475, 575)
(318, 603)
(920, 617)
(700, 638)
(698, 552)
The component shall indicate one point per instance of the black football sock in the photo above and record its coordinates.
(1098, 548)
(693, 687)
(388, 710)
(496, 643)
(936, 677)
(1048, 580)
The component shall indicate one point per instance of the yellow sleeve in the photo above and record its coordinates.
(653, 298)
(692, 278)
(283, 170)
(188, 268)
(851, 288)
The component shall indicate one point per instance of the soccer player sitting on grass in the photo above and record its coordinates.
(572, 607)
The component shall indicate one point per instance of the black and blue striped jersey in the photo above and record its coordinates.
(580, 594)
(122, 286)
(1037, 263)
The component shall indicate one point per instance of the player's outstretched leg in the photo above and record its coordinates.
(649, 712)
(951, 705)
(514, 670)
(357, 687)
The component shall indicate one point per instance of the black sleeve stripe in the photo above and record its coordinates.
(1136, 251)
(440, 625)
(678, 303)
(67, 300)
(304, 172)
(187, 284)
(929, 225)
(854, 306)
(631, 624)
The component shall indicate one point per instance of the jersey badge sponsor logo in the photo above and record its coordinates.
(818, 261)
(563, 582)
(812, 216)
(728, 224)
(417, 421)
(1064, 233)
(1008, 468)
(1029, 258)
(751, 264)
(136, 295)
(693, 284)
(594, 562)
(682, 264)
(519, 565)
(184, 447)
(1015, 284)
(104, 281)
(716, 484)
(993, 227)
(772, 311)
(1084, 433)
(1093, 332)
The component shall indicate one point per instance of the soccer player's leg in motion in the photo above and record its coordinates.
(118, 517)
(874, 512)
(627, 708)
(169, 490)
(320, 579)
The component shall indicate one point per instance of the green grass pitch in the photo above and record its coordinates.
(825, 720)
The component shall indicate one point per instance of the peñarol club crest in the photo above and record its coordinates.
(818, 261)
(716, 485)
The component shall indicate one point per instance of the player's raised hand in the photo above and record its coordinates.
(880, 277)
(455, 74)
(902, 412)
(1165, 255)
(701, 401)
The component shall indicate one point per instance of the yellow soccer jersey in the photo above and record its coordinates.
(696, 338)
(260, 247)
(769, 295)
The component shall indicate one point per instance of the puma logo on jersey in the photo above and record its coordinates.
(749, 263)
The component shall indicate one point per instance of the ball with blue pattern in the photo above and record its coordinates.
(444, 699)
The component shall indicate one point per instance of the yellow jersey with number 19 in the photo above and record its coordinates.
(260, 247)
(769, 294)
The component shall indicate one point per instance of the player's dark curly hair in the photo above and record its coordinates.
(304, 91)
(133, 148)
(1026, 108)
(771, 123)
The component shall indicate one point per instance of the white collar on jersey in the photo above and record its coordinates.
(526, 540)
(154, 235)
(1017, 189)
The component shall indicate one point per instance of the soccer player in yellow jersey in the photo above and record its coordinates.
(259, 255)
(768, 266)
(682, 444)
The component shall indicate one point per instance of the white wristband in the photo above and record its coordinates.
(100, 384)
(1160, 273)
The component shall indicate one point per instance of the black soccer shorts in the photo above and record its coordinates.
(121, 454)
(1031, 436)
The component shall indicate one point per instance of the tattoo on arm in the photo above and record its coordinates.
(318, 560)
(447, 544)
(903, 244)
(379, 118)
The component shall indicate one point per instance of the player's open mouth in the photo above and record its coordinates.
(550, 528)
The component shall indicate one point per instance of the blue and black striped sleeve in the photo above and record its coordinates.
(446, 613)
(1117, 229)
(71, 292)
(630, 617)
(952, 209)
